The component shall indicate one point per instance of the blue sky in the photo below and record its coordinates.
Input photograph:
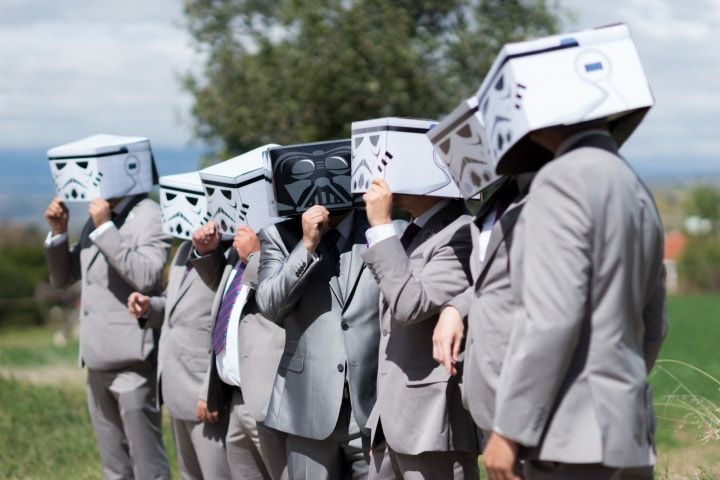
(74, 67)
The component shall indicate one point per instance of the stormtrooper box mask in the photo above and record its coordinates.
(399, 151)
(310, 174)
(183, 204)
(102, 166)
(237, 193)
(458, 141)
(593, 75)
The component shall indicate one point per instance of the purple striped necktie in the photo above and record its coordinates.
(226, 306)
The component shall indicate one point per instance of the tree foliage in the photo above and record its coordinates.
(289, 71)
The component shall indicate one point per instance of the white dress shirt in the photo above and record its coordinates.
(484, 236)
(379, 233)
(228, 360)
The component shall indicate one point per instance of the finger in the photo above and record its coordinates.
(213, 417)
(457, 341)
(445, 353)
(436, 352)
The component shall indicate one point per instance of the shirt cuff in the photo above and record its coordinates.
(379, 233)
(54, 240)
(100, 230)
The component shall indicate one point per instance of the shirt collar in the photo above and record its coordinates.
(573, 139)
(424, 217)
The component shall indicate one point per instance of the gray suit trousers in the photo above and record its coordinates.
(200, 449)
(273, 451)
(127, 423)
(387, 464)
(538, 470)
(340, 456)
(243, 443)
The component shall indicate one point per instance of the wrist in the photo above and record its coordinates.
(375, 222)
(58, 230)
(310, 245)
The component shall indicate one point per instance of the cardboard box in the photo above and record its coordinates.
(458, 140)
(310, 174)
(237, 192)
(102, 166)
(399, 151)
(183, 202)
(556, 81)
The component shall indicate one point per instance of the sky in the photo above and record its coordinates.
(75, 67)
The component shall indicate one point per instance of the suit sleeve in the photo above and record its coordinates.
(655, 320)
(140, 263)
(553, 287)
(282, 277)
(210, 268)
(415, 295)
(463, 301)
(63, 264)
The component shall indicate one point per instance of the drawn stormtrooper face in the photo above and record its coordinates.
(310, 175)
(498, 107)
(466, 155)
(183, 211)
(369, 157)
(225, 206)
(76, 179)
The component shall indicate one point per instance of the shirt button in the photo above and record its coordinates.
(340, 367)
(344, 325)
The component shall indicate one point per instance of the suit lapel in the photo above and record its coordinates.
(177, 287)
(331, 272)
(499, 231)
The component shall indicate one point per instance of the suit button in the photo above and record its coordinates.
(340, 367)
(85, 312)
(344, 325)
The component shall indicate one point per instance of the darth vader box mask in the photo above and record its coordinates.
(399, 151)
(310, 174)
(237, 192)
(183, 204)
(458, 140)
(102, 166)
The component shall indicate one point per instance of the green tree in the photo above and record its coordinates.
(704, 201)
(290, 71)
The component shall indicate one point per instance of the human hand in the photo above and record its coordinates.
(206, 239)
(378, 203)
(314, 224)
(99, 211)
(499, 458)
(245, 242)
(447, 338)
(57, 216)
(138, 304)
(204, 415)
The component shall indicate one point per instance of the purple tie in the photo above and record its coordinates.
(409, 234)
(226, 306)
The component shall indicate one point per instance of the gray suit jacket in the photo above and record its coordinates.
(260, 341)
(120, 261)
(490, 308)
(419, 406)
(587, 269)
(331, 318)
(183, 312)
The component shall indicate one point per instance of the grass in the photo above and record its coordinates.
(45, 430)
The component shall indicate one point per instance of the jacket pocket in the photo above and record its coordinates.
(417, 376)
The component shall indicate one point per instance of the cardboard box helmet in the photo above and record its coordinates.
(399, 151)
(458, 141)
(102, 166)
(561, 80)
(237, 192)
(183, 203)
(310, 174)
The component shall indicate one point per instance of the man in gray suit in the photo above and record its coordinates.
(183, 312)
(417, 274)
(488, 304)
(587, 271)
(121, 249)
(312, 278)
(242, 370)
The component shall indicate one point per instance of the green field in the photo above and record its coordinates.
(45, 429)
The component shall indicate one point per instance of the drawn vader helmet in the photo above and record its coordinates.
(310, 174)
(399, 151)
(562, 80)
(183, 204)
(102, 166)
